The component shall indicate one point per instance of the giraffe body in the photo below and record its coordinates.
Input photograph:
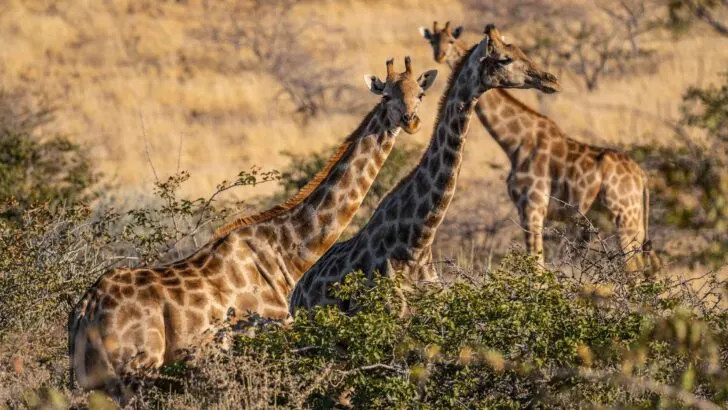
(399, 235)
(550, 172)
(132, 320)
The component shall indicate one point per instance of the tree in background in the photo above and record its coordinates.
(684, 13)
(268, 36)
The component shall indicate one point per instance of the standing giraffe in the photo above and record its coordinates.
(131, 320)
(547, 164)
(399, 235)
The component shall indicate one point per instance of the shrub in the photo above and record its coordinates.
(516, 338)
(36, 167)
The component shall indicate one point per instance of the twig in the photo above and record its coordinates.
(146, 146)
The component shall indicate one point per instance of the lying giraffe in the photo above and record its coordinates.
(135, 319)
(547, 164)
(399, 235)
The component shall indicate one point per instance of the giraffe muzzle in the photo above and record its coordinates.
(410, 123)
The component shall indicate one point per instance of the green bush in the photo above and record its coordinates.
(36, 167)
(515, 338)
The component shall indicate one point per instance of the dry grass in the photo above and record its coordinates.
(112, 62)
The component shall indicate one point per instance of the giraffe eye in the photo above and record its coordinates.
(506, 60)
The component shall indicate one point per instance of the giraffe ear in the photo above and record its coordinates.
(426, 79)
(425, 33)
(374, 84)
(457, 32)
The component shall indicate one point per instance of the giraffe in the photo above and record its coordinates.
(546, 164)
(132, 320)
(399, 235)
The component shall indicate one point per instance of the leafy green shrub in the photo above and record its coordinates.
(34, 167)
(516, 338)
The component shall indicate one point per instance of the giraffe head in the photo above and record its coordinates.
(506, 66)
(442, 40)
(402, 93)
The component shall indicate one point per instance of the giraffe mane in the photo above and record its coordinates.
(441, 105)
(304, 192)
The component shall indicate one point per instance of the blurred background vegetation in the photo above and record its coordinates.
(119, 119)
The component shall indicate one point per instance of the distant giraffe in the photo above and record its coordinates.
(547, 164)
(399, 235)
(136, 319)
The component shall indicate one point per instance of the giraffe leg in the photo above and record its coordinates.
(532, 219)
(631, 238)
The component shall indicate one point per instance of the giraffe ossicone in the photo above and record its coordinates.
(131, 320)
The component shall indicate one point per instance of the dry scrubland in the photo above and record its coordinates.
(149, 88)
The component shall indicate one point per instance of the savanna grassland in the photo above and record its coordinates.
(130, 130)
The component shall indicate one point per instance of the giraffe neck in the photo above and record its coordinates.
(419, 203)
(308, 229)
(507, 120)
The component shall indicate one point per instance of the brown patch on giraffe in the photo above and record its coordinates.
(225, 247)
(127, 313)
(363, 183)
(143, 278)
(197, 300)
(188, 273)
(172, 282)
(127, 291)
(194, 284)
(448, 158)
(372, 171)
(199, 260)
(213, 266)
(347, 213)
(325, 219)
(268, 296)
(176, 295)
(514, 126)
(540, 165)
(246, 302)
(108, 302)
(508, 111)
(115, 291)
(144, 296)
(195, 322)
(124, 278)
(305, 227)
(360, 163)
